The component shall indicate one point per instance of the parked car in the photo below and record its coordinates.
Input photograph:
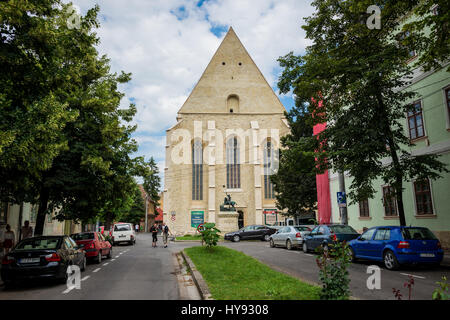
(42, 257)
(251, 233)
(395, 246)
(289, 237)
(94, 245)
(123, 232)
(324, 234)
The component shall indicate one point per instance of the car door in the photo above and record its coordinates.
(377, 244)
(312, 238)
(323, 235)
(362, 246)
(247, 232)
(281, 235)
(101, 243)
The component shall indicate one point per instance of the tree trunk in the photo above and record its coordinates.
(398, 184)
(42, 211)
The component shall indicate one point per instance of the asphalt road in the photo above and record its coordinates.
(303, 266)
(134, 272)
(141, 272)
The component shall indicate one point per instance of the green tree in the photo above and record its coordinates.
(135, 210)
(430, 33)
(39, 58)
(152, 180)
(356, 73)
(297, 163)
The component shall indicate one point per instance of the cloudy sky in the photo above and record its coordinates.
(167, 44)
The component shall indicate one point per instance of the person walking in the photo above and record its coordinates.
(136, 227)
(154, 231)
(9, 239)
(165, 231)
(26, 230)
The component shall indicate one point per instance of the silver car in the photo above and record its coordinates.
(289, 237)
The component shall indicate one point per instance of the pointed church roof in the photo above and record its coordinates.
(232, 73)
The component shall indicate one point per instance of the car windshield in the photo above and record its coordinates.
(122, 227)
(418, 234)
(83, 236)
(39, 244)
(342, 229)
(301, 229)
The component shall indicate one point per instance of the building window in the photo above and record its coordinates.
(415, 121)
(33, 213)
(3, 212)
(233, 164)
(268, 165)
(389, 202)
(402, 37)
(447, 99)
(422, 191)
(197, 170)
(364, 208)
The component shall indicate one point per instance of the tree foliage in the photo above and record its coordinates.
(356, 73)
(295, 181)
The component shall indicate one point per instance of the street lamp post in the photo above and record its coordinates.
(146, 216)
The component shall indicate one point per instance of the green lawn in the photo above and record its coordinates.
(232, 275)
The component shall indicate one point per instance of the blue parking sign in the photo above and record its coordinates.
(341, 199)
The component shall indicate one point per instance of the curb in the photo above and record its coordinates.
(198, 279)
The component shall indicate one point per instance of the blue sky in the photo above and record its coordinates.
(167, 44)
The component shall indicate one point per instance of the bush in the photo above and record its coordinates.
(333, 274)
(441, 293)
(210, 235)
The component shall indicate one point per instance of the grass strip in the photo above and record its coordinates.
(232, 275)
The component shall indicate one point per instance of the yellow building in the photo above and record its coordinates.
(225, 142)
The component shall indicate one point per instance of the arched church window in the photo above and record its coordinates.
(268, 167)
(197, 170)
(233, 164)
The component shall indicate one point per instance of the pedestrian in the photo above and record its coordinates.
(136, 227)
(159, 229)
(27, 230)
(154, 231)
(165, 230)
(9, 239)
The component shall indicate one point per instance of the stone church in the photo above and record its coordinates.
(224, 144)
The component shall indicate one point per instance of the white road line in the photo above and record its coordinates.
(106, 264)
(113, 259)
(85, 278)
(407, 274)
(97, 270)
(68, 290)
(116, 257)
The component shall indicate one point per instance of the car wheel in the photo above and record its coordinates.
(99, 257)
(64, 278)
(266, 237)
(272, 244)
(109, 253)
(390, 260)
(236, 239)
(289, 244)
(305, 247)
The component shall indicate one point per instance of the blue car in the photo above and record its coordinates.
(395, 245)
(324, 234)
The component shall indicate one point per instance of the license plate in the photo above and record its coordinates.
(122, 236)
(427, 255)
(29, 260)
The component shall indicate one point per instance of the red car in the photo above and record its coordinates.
(94, 244)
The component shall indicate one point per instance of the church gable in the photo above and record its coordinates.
(232, 83)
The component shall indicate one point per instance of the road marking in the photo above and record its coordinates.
(85, 278)
(116, 257)
(96, 270)
(113, 259)
(68, 290)
(407, 274)
(106, 264)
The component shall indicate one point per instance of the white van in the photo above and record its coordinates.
(123, 232)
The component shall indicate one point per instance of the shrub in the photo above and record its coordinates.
(333, 274)
(210, 235)
(441, 293)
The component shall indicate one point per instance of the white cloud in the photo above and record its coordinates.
(167, 44)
